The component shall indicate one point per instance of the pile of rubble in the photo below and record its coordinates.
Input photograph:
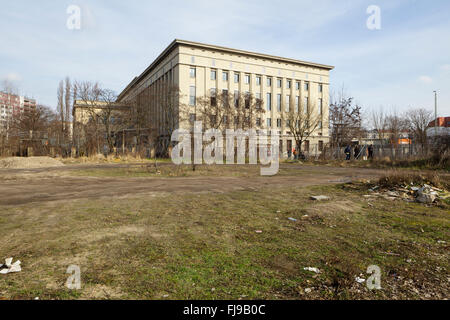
(410, 193)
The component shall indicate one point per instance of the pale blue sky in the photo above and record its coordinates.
(397, 66)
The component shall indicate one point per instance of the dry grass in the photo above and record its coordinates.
(397, 179)
(204, 246)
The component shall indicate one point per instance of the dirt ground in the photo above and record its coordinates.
(60, 183)
(222, 232)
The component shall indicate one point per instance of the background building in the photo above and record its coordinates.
(281, 83)
(12, 104)
(443, 127)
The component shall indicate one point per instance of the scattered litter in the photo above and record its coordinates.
(10, 267)
(360, 280)
(36, 298)
(213, 289)
(278, 211)
(308, 290)
(391, 253)
(305, 216)
(258, 231)
(292, 219)
(320, 198)
(316, 270)
(441, 241)
(425, 193)
(165, 296)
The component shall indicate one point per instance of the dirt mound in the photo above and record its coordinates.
(31, 162)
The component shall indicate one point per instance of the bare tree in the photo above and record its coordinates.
(60, 108)
(168, 101)
(225, 111)
(418, 120)
(88, 95)
(302, 123)
(379, 123)
(229, 111)
(107, 118)
(345, 120)
(396, 124)
(31, 127)
(67, 105)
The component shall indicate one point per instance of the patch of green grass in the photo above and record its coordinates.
(205, 246)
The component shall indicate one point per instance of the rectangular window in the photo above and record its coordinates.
(297, 85)
(269, 102)
(213, 74)
(306, 86)
(288, 123)
(278, 83)
(258, 122)
(306, 105)
(192, 72)
(320, 105)
(258, 100)
(247, 79)
(279, 102)
(225, 76)
(192, 95)
(297, 101)
(320, 145)
(236, 99)
(247, 100)
(269, 82)
(320, 88)
(278, 123)
(307, 145)
(213, 119)
(269, 122)
(236, 77)
(288, 84)
(258, 80)
(225, 97)
(191, 117)
(288, 103)
(213, 97)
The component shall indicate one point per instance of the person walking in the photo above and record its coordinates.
(347, 152)
(370, 152)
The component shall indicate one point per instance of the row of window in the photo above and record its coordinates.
(192, 100)
(258, 121)
(258, 80)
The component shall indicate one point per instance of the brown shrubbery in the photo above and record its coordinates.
(401, 179)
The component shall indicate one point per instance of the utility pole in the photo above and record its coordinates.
(435, 113)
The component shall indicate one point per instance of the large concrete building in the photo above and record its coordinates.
(12, 104)
(198, 69)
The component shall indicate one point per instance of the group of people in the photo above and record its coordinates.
(297, 155)
(366, 153)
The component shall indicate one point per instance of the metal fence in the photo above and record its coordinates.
(398, 152)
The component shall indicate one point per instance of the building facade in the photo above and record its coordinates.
(280, 83)
(12, 104)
